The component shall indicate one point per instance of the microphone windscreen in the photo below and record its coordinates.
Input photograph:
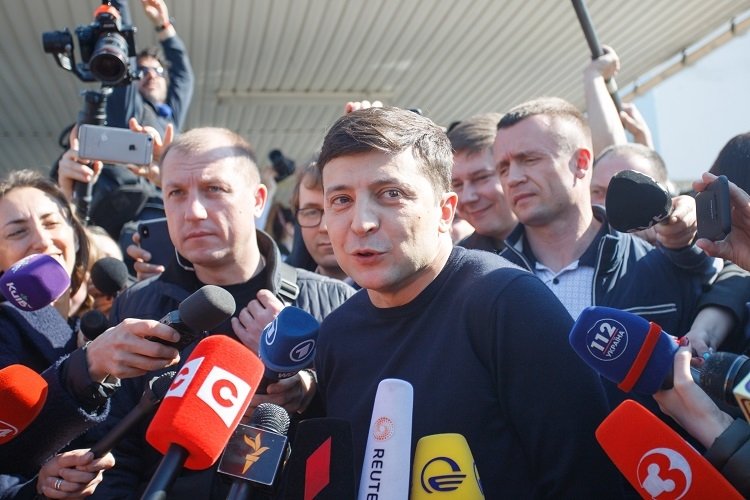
(22, 395)
(34, 282)
(624, 348)
(321, 465)
(742, 395)
(206, 400)
(386, 466)
(109, 275)
(655, 459)
(93, 323)
(288, 342)
(443, 464)
(635, 201)
(720, 372)
(207, 308)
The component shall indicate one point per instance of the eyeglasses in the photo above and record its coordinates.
(309, 217)
(158, 70)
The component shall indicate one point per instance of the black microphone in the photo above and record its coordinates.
(155, 390)
(203, 310)
(255, 452)
(721, 372)
(321, 465)
(93, 323)
(110, 276)
(635, 202)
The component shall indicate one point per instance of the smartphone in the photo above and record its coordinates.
(114, 145)
(714, 211)
(155, 239)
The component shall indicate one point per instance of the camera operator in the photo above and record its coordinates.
(160, 100)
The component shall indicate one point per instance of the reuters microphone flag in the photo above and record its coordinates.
(385, 470)
(656, 460)
(443, 464)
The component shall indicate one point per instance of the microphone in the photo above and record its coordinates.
(255, 452)
(22, 395)
(34, 282)
(93, 323)
(287, 345)
(200, 312)
(742, 395)
(385, 471)
(635, 202)
(321, 465)
(625, 348)
(443, 464)
(153, 394)
(721, 372)
(110, 276)
(655, 459)
(204, 404)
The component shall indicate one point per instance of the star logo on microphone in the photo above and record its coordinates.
(383, 429)
(258, 450)
(664, 474)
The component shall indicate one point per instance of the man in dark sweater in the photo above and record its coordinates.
(482, 342)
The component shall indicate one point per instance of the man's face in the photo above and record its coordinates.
(386, 224)
(153, 83)
(211, 204)
(538, 175)
(316, 238)
(480, 195)
(607, 167)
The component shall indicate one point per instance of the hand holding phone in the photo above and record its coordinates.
(714, 211)
(114, 145)
(154, 235)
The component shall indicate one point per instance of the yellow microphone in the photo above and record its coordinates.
(443, 464)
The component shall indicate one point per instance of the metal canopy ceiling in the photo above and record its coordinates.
(279, 71)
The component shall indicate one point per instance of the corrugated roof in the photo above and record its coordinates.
(279, 71)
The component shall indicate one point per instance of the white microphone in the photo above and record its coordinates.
(385, 471)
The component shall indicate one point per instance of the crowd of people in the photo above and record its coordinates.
(456, 259)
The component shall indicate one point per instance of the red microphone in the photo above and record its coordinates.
(204, 404)
(22, 395)
(656, 460)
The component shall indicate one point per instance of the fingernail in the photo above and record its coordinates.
(684, 341)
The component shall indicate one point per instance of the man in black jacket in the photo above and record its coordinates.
(212, 194)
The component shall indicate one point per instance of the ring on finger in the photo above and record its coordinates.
(58, 483)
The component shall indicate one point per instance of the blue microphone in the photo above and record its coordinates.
(634, 353)
(287, 345)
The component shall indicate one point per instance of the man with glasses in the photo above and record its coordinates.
(307, 204)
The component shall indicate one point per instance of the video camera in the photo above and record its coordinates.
(105, 45)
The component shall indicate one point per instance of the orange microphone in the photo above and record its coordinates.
(207, 398)
(656, 460)
(22, 395)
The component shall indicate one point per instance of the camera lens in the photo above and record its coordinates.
(109, 61)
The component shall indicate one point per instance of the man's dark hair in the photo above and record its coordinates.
(734, 161)
(631, 149)
(392, 130)
(475, 134)
(311, 177)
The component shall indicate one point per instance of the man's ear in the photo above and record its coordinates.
(261, 197)
(583, 161)
(448, 204)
